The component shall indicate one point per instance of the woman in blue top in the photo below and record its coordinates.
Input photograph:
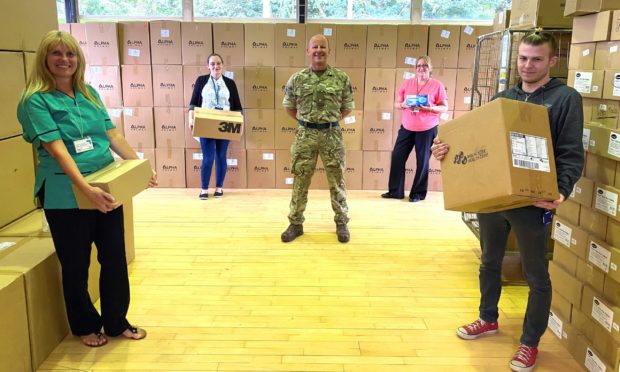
(213, 91)
(69, 127)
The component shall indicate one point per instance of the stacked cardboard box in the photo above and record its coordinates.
(586, 230)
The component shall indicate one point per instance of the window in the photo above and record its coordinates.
(60, 11)
(130, 8)
(280, 9)
(360, 9)
(457, 10)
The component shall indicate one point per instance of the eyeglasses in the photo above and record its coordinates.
(421, 66)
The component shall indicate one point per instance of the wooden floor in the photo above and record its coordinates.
(218, 291)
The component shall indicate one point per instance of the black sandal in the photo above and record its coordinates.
(136, 333)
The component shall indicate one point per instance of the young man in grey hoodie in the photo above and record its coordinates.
(536, 56)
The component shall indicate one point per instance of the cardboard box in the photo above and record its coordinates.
(14, 342)
(166, 42)
(600, 169)
(570, 236)
(561, 306)
(581, 7)
(381, 45)
(284, 171)
(237, 74)
(123, 179)
(228, 41)
(376, 170)
(605, 113)
(464, 81)
(611, 291)
(569, 211)
(468, 42)
(443, 46)
(102, 44)
(139, 126)
(116, 116)
(353, 174)
(169, 127)
(260, 90)
(601, 311)
(135, 43)
(607, 348)
(589, 83)
(565, 283)
(351, 128)
(379, 89)
(606, 201)
(435, 181)
(351, 45)
(137, 85)
(35, 259)
(78, 31)
(196, 43)
(581, 56)
(592, 27)
(412, 43)
(146, 154)
(285, 129)
(605, 257)
(17, 170)
(600, 140)
(583, 191)
(290, 45)
(260, 129)
(558, 325)
(528, 14)
(218, 124)
(261, 168)
(583, 323)
(611, 85)
(327, 30)
(107, 81)
(606, 56)
(282, 75)
(377, 130)
(190, 74)
(260, 44)
(615, 25)
(501, 20)
(613, 232)
(595, 223)
(13, 84)
(235, 173)
(356, 77)
(506, 177)
(24, 23)
(565, 258)
(170, 167)
(448, 77)
(168, 86)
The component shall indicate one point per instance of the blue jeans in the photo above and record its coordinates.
(213, 149)
(532, 236)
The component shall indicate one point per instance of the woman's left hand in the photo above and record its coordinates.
(427, 109)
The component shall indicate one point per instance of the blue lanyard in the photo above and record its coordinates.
(216, 88)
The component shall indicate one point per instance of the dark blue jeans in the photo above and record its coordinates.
(213, 149)
(532, 237)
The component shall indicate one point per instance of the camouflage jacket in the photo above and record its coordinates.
(319, 99)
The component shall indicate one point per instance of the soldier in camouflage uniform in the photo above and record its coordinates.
(317, 97)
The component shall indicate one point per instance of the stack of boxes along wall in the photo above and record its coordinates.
(586, 228)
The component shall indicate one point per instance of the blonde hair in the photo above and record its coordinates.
(41, 78)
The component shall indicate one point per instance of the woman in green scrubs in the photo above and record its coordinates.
(69, 127)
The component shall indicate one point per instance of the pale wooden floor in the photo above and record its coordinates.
(218, 291)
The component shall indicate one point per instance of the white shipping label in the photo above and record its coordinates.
(229, 74)
(562, 234)
(467, 100)
(602, 314)
(231, 162)
(115, 113)
(386, 115)
(602, 107)
(290, 32)
(197, 156)
(288, 181)
(6, 245)
(599, 256)
(555, 324)
(529, 152)
(606, 201)
(586, 138)
(583, 82)
(613, 266)
(327, 31)
(349, 120)
(586, 52)
(614, 144)
(408, 75)
(468, 30)
(445, 34)
(595, 88)
(616, 91)
(444, 116)
(613, 49)
(128, 112)
(593, 363)
(410, 61)
(140, 154)
(268, 156)
(133, 52)
(164, 32)
(96, 70)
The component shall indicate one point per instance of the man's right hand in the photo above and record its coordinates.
(439, 149)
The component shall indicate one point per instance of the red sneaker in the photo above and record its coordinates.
(476, 329)
(524, 359)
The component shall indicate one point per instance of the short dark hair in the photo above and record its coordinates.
(540, 37)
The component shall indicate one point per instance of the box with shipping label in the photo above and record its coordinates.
(498, 164)
(218, 124)
(443, 46)
(135, 43)
(290, 45)
(412, 42)
(166, 42)
(589, 83)
(528, 14)
(327, 30)
(570, 236)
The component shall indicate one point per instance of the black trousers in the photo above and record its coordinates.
(73, 232)
(405, 142)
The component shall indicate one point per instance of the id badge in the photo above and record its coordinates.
(547, 217)
(218, 108)
(83, 145)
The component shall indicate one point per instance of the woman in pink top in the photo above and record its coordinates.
(422, 100)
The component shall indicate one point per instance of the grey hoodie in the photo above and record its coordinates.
(565, 109)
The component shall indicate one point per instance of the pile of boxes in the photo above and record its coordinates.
(586, 229)
(145, 72)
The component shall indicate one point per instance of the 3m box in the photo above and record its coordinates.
(218, 124)
(499, 164)
(123, 179)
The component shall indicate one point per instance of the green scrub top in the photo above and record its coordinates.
(52, 116)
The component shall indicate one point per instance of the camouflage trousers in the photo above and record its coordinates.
(308, 144)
